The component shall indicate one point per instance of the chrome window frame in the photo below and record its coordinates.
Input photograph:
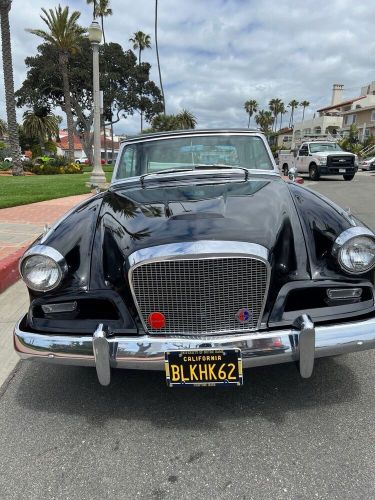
(274, 171)
(199, 250)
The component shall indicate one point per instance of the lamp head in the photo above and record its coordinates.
(95, 32)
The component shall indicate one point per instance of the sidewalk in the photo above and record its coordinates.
(19, 226)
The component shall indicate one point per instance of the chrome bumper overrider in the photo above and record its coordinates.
(302, 343)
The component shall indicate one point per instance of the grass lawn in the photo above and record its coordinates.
(29, 189)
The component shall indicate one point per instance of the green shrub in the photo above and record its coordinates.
(59, 161)
(48, 169)
(5, 165)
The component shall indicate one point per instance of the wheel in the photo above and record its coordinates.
(314, 172)
(348, 177)
(285, 169)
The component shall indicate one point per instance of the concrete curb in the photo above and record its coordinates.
(9, 269)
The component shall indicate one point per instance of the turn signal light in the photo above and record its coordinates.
(156, 320)
(344, 293)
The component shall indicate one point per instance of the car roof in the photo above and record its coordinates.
(155, 135)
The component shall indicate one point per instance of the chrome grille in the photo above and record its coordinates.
(201, 295)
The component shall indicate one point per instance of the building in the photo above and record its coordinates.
(106, 144)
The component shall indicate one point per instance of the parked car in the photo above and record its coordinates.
(318, 158)
(10, 159)
(368, 164)
(199, 260)
(82, 161)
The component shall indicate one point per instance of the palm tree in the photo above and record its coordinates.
(304, 105)
(265, 120)
(292, 105)
(157, 52)
(186, 120)
(5, 6)
(140, 42)
(101, 9)
(251, 107)
(275, 107)
(282, 112)
(64, 34)
(40, 125)
(3, 128)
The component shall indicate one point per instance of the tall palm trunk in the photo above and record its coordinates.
(63, 62)
(9, 88)
(139, 64)
(248, 123)
(157, 52)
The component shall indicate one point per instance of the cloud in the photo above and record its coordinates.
(218, 53)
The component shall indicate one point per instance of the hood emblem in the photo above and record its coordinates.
(243, 315)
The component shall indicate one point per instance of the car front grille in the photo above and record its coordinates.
(201, 295)
(340, 161)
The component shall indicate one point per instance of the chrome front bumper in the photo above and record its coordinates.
(303, 343)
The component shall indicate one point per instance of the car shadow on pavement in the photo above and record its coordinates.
(268, 392)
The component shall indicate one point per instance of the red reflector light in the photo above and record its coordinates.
(277, 342)
(156, 320)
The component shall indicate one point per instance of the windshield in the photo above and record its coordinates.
(318, 147)
(187, 152)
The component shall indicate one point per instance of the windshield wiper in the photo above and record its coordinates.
(202, 166)
(159, 172)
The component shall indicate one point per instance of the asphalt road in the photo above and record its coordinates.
(63, 436)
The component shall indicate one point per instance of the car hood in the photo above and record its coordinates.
(259, 210)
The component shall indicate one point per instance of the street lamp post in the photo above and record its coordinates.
(95, 36)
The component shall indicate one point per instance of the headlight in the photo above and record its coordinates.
(42, 268)
(322, 161)
(355, 250)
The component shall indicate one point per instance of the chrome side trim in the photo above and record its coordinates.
(202, 249)
(147, 352)
(50, 252)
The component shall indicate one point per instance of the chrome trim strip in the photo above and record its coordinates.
(100, 346)
(198, 134)
(199, 248)
(306, 346)
(196, 250)
(346, 236)
(50, 252)
(147, 352)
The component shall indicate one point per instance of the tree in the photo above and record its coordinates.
(101, 9)
(140, 42)
(265, 120)
(3, 128)
(182, 121)
(65, 35)
(251, 107)
(304, 105)
(40, 125)
(292, 105)
(275, 106)
(157, 53)
(5, 6)
(124, 80)
(282, 111)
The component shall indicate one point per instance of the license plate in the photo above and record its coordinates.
(342, 170)
(208, 367)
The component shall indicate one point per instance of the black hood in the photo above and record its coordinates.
(257, 210)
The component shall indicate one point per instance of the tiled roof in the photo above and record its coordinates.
(339, 104)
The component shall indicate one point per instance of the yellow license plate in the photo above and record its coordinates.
(208, 367)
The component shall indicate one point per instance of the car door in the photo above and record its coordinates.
(302, 158)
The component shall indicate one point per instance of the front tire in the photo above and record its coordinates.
(348, 177)
(314, 172)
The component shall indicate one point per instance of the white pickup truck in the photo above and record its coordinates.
(318, 158)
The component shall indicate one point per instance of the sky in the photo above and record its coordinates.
(216, 54)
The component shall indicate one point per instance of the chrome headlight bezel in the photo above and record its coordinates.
(322, 161)
(50, 254)
(346, 238)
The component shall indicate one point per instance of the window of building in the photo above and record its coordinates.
(317, 130)
(373, 116)
(350, 119)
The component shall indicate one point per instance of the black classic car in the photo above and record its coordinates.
(199, 260)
